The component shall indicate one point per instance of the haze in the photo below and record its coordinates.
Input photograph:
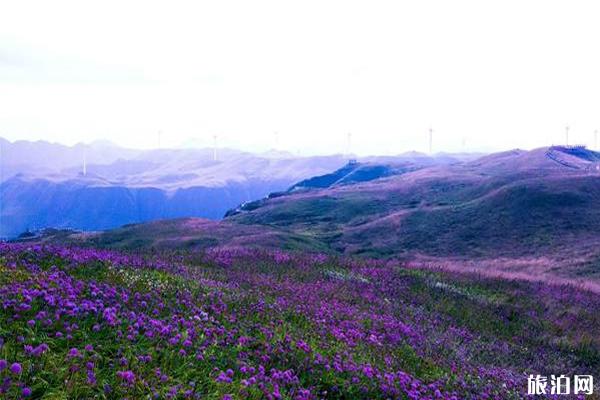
(485, 75)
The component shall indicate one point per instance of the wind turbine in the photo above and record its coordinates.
(84, 160)
(214, 147)
(567, 133)
(430, 140)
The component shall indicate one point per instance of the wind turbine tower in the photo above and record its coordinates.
(596, 139)
(567, 134)
(430, 140)
(84, 161)
(214, 147)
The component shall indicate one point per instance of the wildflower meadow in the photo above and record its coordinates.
(248, 324)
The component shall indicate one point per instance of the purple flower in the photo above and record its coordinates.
(26, 392)
(224, 377)
(3, 364)
(39, 350)
(16, 368)
(127, 376)
(91, 378)
(368, 371)
(74, 353)
(302, 345)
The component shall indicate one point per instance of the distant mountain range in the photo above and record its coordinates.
(512, 205)
(43, 185)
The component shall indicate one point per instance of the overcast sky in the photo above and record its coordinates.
(486, 75)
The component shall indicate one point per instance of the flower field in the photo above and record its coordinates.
(250, 324)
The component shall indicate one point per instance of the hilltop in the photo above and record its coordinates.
(508, 203)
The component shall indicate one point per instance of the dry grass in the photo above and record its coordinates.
(533, 269)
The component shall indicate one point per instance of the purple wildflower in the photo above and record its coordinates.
(74, 353)
(127, 376)
(16, 368)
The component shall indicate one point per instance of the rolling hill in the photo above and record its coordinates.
(513, 202)
(540, 206)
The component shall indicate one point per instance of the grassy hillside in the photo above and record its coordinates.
(515, 203)
(182, 234)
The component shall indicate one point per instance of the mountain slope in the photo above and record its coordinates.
(91, 205)
(514, 202)
(181, 233)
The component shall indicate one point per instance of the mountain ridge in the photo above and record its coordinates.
(43, 184)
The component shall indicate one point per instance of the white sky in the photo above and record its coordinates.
(487, 75)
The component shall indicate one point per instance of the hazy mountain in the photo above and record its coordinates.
(41, 158)
(43, 183)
